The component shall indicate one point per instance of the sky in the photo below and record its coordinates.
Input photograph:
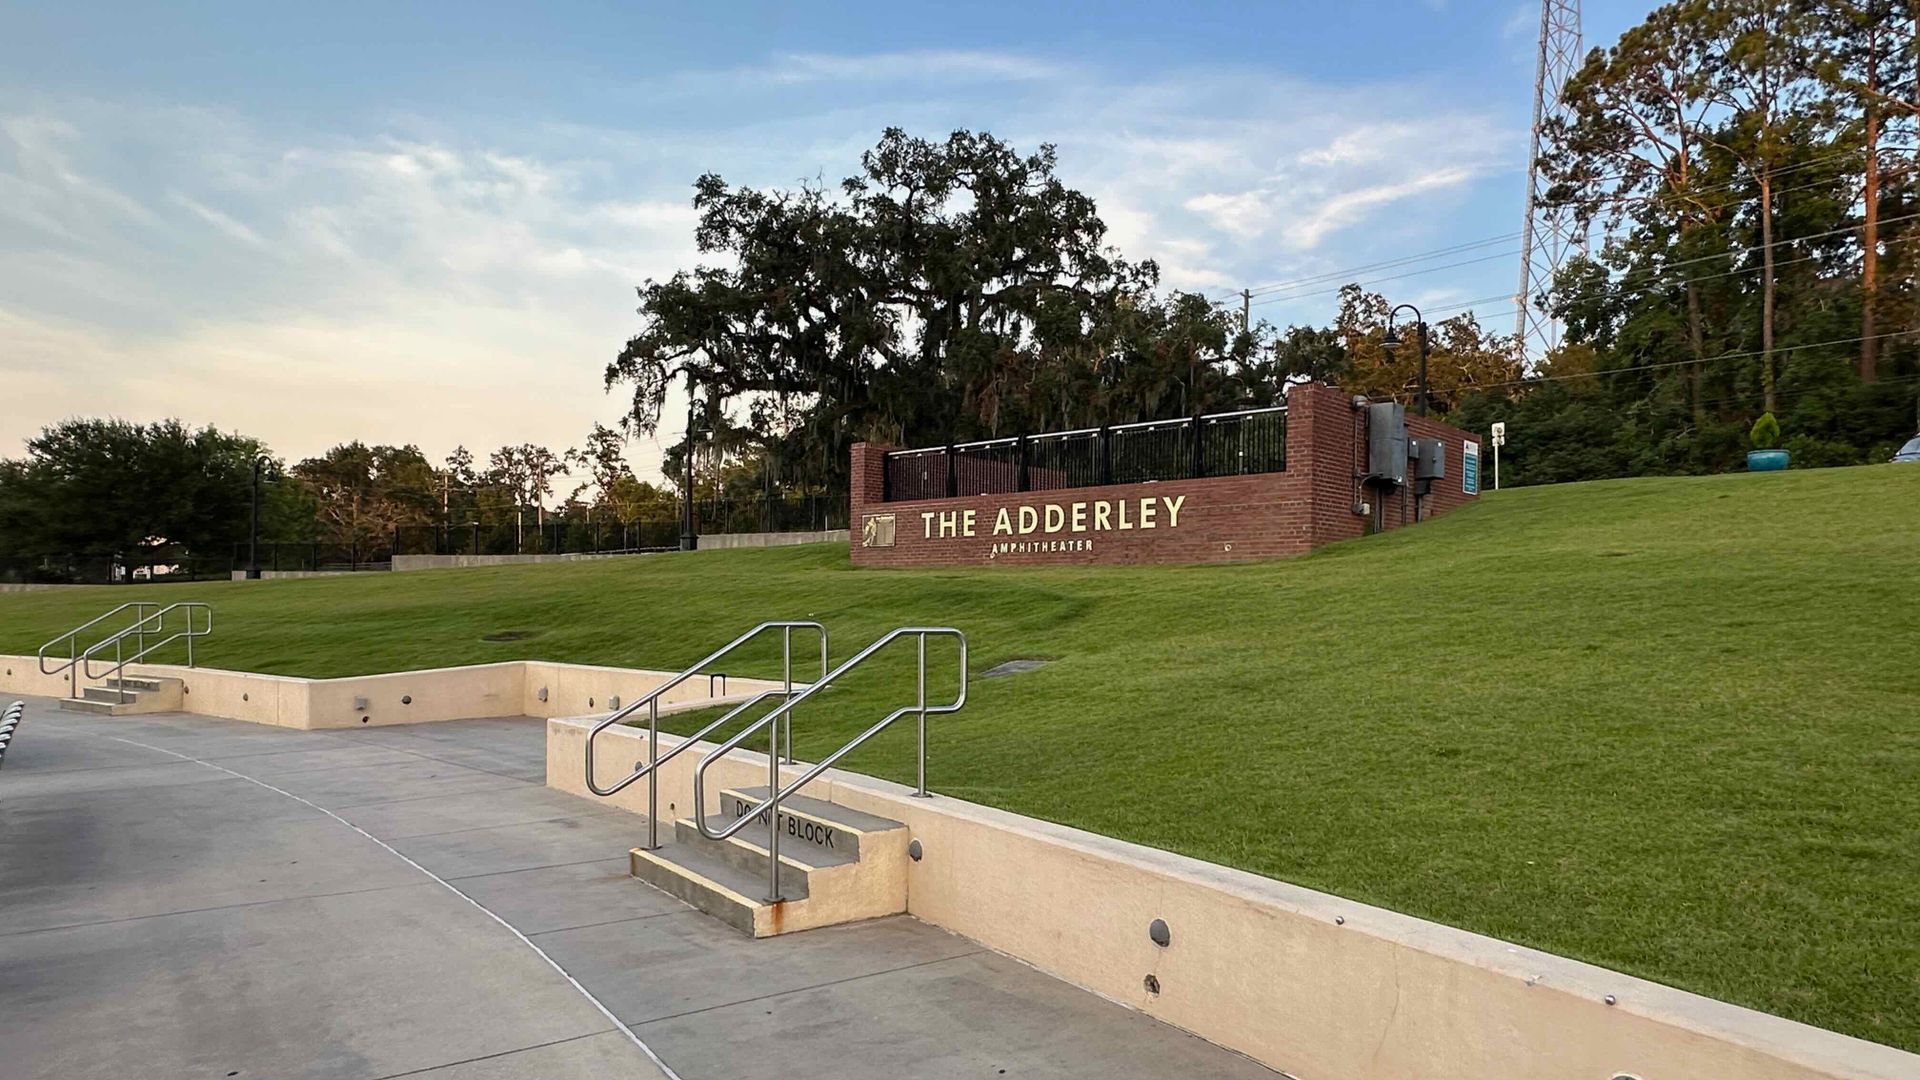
(417, 223)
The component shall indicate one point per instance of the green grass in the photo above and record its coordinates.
(1671, 726)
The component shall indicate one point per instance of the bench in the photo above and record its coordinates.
(9, 720)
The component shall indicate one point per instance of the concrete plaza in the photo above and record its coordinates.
(183, 896)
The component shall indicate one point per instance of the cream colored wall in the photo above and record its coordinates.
(1305, 982)
(576, 689)
(21, 675)
(509, 688)
(618, 748)
(437, 694)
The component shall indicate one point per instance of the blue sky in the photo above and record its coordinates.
(424, 223)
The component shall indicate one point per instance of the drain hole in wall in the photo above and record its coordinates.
(243, 697)
(364, 719)
(406, 699)
(1152, 984)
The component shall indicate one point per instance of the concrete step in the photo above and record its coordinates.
(131, 695)
(837, 865)
(807, 822)
(111, 695)
(735, 896)
(88, 705)
(747, 849)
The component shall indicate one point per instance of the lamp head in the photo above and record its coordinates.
(1392, 340)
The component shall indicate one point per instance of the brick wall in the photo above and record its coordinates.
(1217, 519)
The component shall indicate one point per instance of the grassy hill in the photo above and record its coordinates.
(1671, 726)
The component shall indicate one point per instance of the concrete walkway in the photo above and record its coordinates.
(185, 897)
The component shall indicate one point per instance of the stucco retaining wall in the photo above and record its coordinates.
(509, 688)
(729, 541)
(1311, 984)
(455, 562)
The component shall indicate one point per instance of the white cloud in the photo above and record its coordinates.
(1522, 23)
(235, 229)
(413, 282)
(1351, 207)
(384, 289)
(929, 64)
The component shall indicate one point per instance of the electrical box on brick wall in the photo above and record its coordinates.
(1429, 459)
(1387, 442)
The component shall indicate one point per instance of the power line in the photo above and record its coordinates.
(1732, 252)
(1391, 277)
(1470, 245)
(1385, 264)
(1658, 272)
(1532, 379)
(1729, 185)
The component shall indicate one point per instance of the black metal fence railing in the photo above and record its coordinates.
(1067, 459)
(158, 565)
(918, 474)
(311, 556)
(800, 513)
(570, 536)
(1223, 444)
(168, 562)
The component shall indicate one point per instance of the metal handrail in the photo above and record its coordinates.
(775, 792)
(652, 702)
(149, 624)
(72, 638)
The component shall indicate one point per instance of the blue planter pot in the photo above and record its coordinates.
(1766, 460)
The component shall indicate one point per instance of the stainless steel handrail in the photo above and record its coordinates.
(651, 700)
(151, 624)
(72, 638)
(775, 792)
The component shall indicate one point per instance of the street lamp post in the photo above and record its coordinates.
(689, 540)
(1392, 342)
(253, 531)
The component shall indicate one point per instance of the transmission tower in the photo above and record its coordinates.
(1551, 234)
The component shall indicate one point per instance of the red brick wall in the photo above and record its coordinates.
(1219, 519)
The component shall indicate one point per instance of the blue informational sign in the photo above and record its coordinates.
(1470, 467)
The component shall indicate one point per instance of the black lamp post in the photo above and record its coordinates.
(1392, 342)
(253, 532)
(689, 540)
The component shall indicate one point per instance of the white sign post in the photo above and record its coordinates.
(1499, 440)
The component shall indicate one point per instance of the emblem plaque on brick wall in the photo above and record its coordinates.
(877, 531)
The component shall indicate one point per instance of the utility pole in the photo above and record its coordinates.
(253, 529)
(689, 540)
(1246, 309)
(1550, 235)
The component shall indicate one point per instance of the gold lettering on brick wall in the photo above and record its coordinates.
(1095, 516)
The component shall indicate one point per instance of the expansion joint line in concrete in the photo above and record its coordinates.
(448, 885)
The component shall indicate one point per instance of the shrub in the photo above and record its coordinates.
(1811, 453)
(1765, 434)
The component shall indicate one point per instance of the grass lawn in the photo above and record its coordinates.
(1671, 726)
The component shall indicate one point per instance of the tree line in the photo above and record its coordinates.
(138, 493)
(1743, 170)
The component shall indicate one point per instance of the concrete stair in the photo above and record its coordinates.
(837, 865)
(128, 696)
